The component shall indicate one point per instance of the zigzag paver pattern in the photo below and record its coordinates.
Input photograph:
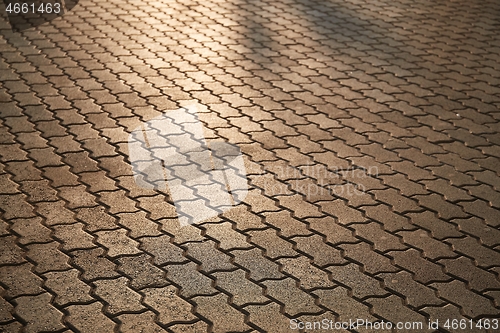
(370, 132)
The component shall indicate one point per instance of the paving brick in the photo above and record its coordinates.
(7, 186)
(96, 218)
(198, 327)
(439, 228)
(360, 284)
(156, 206)
(80, 162)
(335, 233)
(48, 257)
(450, 193)
(118, 296)
(32, 140)
(393, 310)
(23, 171)
(224, 318)
(424, 271)
(341, 149)
(77, 197)
(191, 281)
(67, 287)
(406, 187)
(226, 235)
(345, 306)
(321, 253)
(399, 203)
(288, 226)
(371, 261)
(12, 152)
(259, 266)
(381, 240)
(416, 294)
(181, 234)
(379, 153)
(31, 230)
(390, 220)
(447, 311)
(211, 259)
(471, 303)
(98, 181)
(458, 162)
(415, 112)
(94, 264)
(456, 178)
(274, 245)
(487, 177)
(78, 315)
(118, 202)
(431, 247)
(487, 193)
(142, 272)
(162, 249)
(344, 214)
(356, 195)
(50, 129)
(310, 277)
(144, 322)
(241, 289)
(418, 158)
(269, 318)
(6, 310)
(478, 228)
(332, 161)
(61, 176)
(478, 279)
(483, 210)
(471, 247)
(38, 313)
(138, 224)
(20, 280)
(117, 242)
(73, 237)
(300, 207)
(296, 301)
(244, 219)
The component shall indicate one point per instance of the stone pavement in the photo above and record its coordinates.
(370, 135)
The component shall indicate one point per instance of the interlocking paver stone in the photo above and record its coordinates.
(258, 266)
(424, 271)
(339, 301)
(79, 314)
(241, 289)
(268, 317)
(118, 296)
(38, 313)
(94, 264)
(143, 322)
(393, 103)
(190, 279)
(68, 287)
(359, 283)
(472, 304)
(20, 280)
(296, 301)
(321, 253)
(142, 272)
(220, 313)
(48, 257)
(117, 242)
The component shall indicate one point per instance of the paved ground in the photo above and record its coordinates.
(370, 134)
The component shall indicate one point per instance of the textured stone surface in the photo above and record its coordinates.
(370, 137)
